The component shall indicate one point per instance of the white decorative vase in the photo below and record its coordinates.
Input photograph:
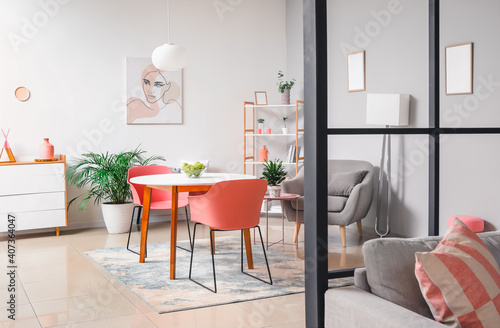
(117, 216)
(285, 97)
(285, 130)
(274, 191)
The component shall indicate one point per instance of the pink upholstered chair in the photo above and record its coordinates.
(160, 200)
(229, 205)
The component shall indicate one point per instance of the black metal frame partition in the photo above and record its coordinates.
(316, 149)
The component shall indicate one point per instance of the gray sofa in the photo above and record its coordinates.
(386, 292)
(342, 211)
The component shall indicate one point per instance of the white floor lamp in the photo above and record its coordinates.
(389, 110)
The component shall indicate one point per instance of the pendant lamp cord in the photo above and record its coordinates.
(168, 9)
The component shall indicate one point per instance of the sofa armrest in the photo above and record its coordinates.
(351, 307)
(361, 280)
(295, 185)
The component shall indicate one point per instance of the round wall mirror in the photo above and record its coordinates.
(22, 93)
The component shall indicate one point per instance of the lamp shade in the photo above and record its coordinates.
(387, 109)
(169, 57)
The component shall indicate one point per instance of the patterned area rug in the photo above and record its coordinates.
(150, 280)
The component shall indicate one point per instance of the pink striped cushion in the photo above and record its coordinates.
(460, 280)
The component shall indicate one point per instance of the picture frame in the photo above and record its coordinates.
(260, 98)
(459, 69)
(356, 71)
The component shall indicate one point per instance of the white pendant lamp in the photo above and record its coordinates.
(169, 57)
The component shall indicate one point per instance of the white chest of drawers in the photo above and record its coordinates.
(35, 192)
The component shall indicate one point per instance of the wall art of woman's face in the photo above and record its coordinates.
(155, 86)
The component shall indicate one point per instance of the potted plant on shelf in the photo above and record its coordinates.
(260, 125)
(274, 173)
(284, 88)
(106, 177)
(285, 129)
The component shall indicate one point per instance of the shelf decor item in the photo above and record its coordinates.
(260, 98)
(263, 154)
(46, 150)
(106, 176)
(194, 170)
(274, 173)
(284, 88)
(356, 71)
(268, 131)
(22, 94)
(285, 129)
(458, 68)
(260, 125)
(6, 148)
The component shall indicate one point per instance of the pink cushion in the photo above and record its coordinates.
(473, 222)
(460, 280)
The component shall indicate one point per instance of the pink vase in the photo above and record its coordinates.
(46, 149)
(263, 153)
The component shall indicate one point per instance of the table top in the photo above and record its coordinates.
(182, 180)
(282, 196)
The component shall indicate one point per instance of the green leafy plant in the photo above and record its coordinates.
(260, 120)
(106, 176)
(284, 85)
(284, 120)
(274, 172)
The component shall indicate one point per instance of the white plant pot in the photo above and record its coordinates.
(274, 191)
(260, 126)
(285, 130)
(117, 216)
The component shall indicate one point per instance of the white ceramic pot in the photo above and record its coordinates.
(274, 191)
(285, 130)
(260, 126)
(117, 216)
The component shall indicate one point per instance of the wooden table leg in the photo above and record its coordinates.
(248, 246)
(144, 224)
(173, 231)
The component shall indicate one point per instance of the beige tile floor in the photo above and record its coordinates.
(58, 286)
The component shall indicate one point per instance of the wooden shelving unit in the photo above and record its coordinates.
(249, 133)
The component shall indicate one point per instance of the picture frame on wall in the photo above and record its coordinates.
(356, 72)
(260, 98)
(458, 69)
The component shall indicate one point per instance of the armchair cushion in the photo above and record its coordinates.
(342, 183)
(335, 203)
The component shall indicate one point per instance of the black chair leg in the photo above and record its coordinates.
(213, 261)
(139, 210)
(189, 234)
(270, 282)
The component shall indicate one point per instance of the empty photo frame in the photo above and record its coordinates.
(356, 71)
(458, 69)
(260, 98)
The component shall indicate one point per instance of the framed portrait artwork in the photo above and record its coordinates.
(356, 71)
(458, 69)
(153, 96)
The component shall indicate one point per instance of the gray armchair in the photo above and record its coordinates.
(342, 211)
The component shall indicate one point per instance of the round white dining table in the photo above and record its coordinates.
(176, 183)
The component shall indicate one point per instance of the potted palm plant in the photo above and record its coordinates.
(274, 173)
(106, 176)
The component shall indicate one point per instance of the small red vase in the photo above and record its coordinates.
(46, 149)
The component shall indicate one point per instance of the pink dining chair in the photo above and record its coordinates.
(229, 205)
(160, 200)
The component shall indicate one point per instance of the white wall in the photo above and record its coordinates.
(74, 65)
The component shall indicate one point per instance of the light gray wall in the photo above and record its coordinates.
(397, 62)
(470, 165)
(394, 36)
